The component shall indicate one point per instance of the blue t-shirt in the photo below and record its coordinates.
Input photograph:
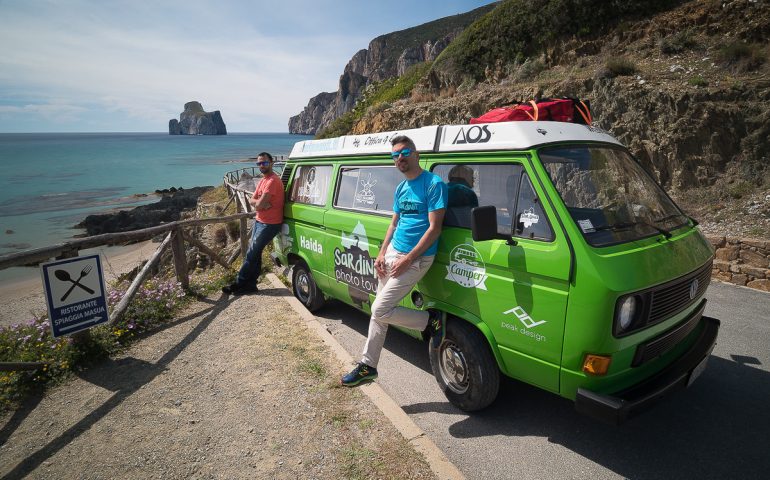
(413, 200)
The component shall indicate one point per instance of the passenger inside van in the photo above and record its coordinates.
(461, 197)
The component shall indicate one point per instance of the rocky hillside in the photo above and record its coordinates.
(387, 56)
(196, 121)
(686, 88)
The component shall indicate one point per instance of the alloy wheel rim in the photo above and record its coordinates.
(303, 287)
(453, 367)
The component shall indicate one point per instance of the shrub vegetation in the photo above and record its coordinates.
(375, 95)
(521, 29)
(156, 302)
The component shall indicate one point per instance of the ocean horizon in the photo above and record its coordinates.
(49, 182)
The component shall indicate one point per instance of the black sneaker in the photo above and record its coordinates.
(437, 327)
(236, 289)
(361, 373)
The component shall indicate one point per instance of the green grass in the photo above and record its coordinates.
(620, 66)
(374, 96)
(520, 29)
(677, 43)
(698, 81)
(742, 57)
(358, 462)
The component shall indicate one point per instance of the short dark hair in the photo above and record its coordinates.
(403, 139)
(265, 154)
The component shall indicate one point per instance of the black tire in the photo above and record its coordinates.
(465, 368)
(304, 287)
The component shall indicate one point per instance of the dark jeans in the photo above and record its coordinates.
(261, 235)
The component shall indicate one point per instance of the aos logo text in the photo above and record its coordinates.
(475, 134)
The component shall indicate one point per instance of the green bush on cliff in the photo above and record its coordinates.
(521, 29)
(375, 95)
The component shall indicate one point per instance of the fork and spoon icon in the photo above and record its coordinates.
(64, 276)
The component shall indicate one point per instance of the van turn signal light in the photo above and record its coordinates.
(596, 364)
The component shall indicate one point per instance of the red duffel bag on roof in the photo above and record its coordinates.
(552, 109)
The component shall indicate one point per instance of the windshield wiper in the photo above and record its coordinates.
(625, 225)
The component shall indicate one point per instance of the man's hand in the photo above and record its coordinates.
(379, 265)
(401, 265)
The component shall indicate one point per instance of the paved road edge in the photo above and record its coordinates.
(436, 459)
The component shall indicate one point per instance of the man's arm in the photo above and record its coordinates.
(435, 220)
(379, 262)
(261, 202)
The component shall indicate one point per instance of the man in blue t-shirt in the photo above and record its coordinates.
(406, 255)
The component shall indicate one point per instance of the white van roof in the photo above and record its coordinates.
(456, 138)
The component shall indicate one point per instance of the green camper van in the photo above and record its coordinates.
(561, 263)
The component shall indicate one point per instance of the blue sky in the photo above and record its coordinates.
(130, 66)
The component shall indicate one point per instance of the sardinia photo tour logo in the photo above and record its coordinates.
(466, 267)
(354, 266)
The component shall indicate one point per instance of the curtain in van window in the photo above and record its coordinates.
(311, 184)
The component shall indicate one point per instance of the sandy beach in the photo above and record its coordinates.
(21, 297)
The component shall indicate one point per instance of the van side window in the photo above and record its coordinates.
(368, 189)
(311, 184)
(471, 185)
(531, 221)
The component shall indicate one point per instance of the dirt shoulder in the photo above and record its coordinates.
(234, 388)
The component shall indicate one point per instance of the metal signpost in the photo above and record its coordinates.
(75, 294)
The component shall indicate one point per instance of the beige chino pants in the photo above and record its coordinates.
(385, 309)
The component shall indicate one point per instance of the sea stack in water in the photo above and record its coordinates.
(195, 121)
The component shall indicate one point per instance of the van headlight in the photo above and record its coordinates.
(628, 312)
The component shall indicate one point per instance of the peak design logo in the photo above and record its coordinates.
(466, 267)
(525, 320)
(474, 134)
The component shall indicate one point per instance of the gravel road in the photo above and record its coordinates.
(234, 388)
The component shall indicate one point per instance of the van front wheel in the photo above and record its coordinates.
(465, 368)
(304, 287)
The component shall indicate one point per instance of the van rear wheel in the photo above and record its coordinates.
(465, 368)
(304, 287)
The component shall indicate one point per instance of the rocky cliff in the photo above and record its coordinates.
(386, 57)
(195, 121)
(687, 89)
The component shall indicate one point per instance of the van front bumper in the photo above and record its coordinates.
(618, 407)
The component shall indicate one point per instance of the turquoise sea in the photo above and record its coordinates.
(51, 181)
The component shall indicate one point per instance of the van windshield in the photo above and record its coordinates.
(608, 194)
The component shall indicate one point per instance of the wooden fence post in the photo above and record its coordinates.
(180, 258)
(244, 230)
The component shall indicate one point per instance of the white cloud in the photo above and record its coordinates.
(133, 64)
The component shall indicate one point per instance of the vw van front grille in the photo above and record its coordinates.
(673, 297)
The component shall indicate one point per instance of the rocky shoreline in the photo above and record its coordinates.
(169, 208)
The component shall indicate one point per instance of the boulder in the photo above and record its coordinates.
(196, 121)
(168, 209)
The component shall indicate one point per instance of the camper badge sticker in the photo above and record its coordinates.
(466, 267)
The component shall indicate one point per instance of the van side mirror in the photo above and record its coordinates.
(484, 223)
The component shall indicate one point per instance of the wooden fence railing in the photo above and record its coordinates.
(175, 238)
